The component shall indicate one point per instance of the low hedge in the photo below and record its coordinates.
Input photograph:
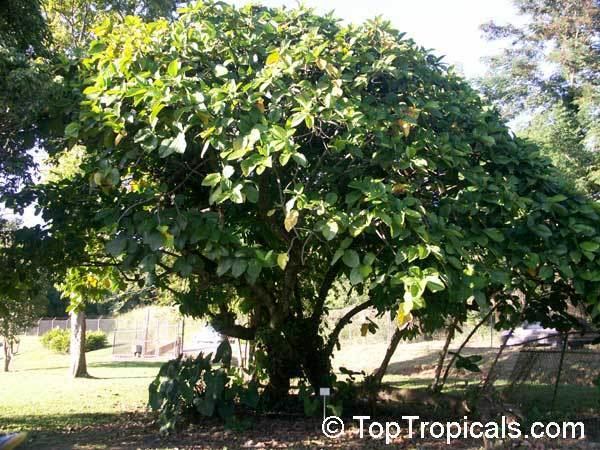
(59, 340)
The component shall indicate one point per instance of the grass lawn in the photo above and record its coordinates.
(108, 410)
(38, 395)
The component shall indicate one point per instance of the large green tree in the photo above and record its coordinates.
(548, 73)
(272, 152)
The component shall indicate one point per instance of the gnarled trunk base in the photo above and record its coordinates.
(295, 353)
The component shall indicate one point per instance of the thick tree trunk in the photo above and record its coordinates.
(7, 354)
(281, 366)
(298, 351)
(77, 346)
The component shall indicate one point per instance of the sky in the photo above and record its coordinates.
(447, 27)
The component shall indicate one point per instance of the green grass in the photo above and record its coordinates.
(37, 394)
(109, 408)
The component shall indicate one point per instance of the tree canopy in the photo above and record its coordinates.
(269, 152)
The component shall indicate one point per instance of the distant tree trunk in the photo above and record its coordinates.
(377, 376)
(443, 354)
(77, 346)
(7, 354)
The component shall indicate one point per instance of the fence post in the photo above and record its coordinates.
(560, 366)
(98, 323)
(157, 339)
(38, 327)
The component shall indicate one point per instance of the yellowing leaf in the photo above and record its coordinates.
(413, 112)
(282, 260)
(405, 127)
(273, 58)
(403, 318)
(260, 104)
(364, 329)
(291, 219)
(92, 281)
(119, 137)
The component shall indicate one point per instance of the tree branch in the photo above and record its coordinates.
(345, 320)
(440, 386)
(326, 284)
(235, 331)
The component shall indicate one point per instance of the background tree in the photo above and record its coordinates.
(549, 73)
(39, 42)
(72, 21)
(274, 152)
(25, 87)
(83, 286)
(21, 304)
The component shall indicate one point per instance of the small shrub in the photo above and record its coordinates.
(59, 340)
(190, 387)
(56, 340)
(95, 340)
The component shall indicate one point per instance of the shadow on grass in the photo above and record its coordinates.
(128, 364)
(34, 369)
(96, 430)
(570, 399)
(57, 422)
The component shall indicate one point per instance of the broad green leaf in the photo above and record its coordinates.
(116, 246)
(173, 68)
(212, 179)
(239, 267)
(251, 193)
(546, 273)
(172, 145)
(351, 258)
(337, 255)
(224, 266)
(589, 246)
(221, 70)
(494, 234)
(72, 130)
(434, 284)
(331, 198)
(330, 229)
(300, 159)
(356, 276)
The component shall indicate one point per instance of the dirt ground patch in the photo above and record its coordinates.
(138, 431)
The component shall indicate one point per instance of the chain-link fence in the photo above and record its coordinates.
(535, 371)
(93, 323)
